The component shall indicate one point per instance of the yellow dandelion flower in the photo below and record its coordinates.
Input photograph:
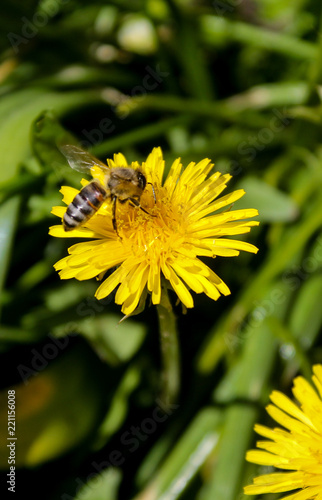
(180, 220)
(297, 449)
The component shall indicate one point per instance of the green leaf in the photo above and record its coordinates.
(306, 316)
(224, 479)
(46, 134)
(118, 408)
(218, 30)
(64, 400)
(185, 459)
(10, 336)
(8, 222)
(103, 486)
(272, 204)
(116, 342)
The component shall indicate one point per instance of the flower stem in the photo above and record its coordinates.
(169, 349)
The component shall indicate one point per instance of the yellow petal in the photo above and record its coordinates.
(317, 378)
(59, 211)
(196, 282)
(131, 302)
(172, 178)
(98, 174)
(154, 166)
(110, 283)
(213, 221)
(235, 244)
(154, 284)
(191, 178)
(203, 208)
(287, 405)
(61, 264)
(131, 282)
(119, 160)
(305, 393)
(68, 193)
(81, 232)
(283, 419)
(203, 195)
(177, 285)
(278, 483)
(264, 458)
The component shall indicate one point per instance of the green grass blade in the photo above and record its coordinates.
(218, 30)
(187, 456)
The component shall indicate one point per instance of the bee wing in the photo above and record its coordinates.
(81, 160)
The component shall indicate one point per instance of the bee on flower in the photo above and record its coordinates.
(149, 229)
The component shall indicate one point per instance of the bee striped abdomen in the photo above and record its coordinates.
(84, 205)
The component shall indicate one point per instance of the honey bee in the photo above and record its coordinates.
(122, 184)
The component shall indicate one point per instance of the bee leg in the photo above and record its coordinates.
(114, 216)
(136, 203)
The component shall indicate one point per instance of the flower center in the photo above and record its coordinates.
(160, 230)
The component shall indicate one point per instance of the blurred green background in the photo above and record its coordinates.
(237, 81)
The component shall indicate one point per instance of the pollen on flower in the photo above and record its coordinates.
(177, 222)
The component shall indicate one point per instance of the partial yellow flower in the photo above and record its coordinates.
(183, 223)
(296, 449)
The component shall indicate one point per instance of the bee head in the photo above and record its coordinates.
(141, 180)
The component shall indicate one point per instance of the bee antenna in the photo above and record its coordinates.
(155, 199)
